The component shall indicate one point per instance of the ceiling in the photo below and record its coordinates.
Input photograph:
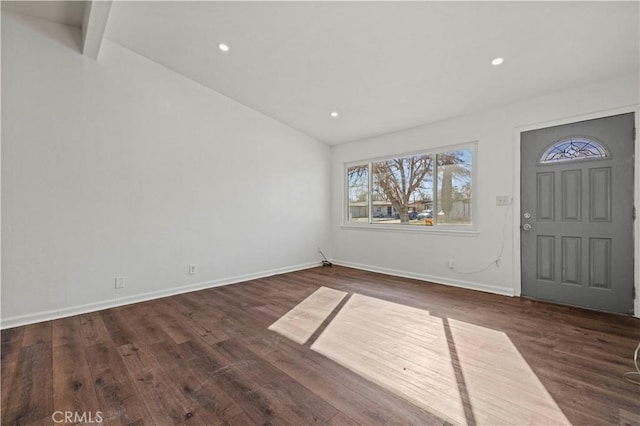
(62, 12)
(383, 66)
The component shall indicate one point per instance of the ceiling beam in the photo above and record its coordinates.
(94, 22)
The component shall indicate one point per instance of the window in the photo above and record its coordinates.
(575, 148)
(358, 203)
(454, 187)
(424, 189)
(400, 185)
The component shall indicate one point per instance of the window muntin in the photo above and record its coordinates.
(574, 148)
(424, 190)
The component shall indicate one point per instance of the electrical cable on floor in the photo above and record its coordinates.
(325, 261)
(633, 373)
(500, 253)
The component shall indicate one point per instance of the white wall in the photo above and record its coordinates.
(121, 167)
(424, 255)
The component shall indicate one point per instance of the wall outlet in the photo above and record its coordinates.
(503, 200)
(192, 269)
(119, 282)
(450, 263)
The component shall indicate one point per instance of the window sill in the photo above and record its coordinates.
(415, 229)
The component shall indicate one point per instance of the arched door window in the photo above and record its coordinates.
(574, 148)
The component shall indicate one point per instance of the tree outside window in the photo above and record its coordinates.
(433, 188)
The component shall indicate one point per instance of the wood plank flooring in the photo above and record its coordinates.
(305, 318)
(209, 357)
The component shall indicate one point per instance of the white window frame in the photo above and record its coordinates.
(471, 229)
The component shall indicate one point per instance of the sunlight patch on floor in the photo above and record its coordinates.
(461, 372)
(300, 322)
(502, 387)
(400, 348)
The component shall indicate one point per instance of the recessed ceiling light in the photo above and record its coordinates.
(223, 47)
(497, 61)
(334, 114)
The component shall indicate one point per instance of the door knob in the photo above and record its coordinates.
(526, 227)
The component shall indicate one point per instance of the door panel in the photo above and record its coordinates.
(546, 196)
(546, 257)
(577, 187)
(600, 195)
(571, 260)
(600, 262)
(571, 195)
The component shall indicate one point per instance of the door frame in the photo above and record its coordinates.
(517, 212)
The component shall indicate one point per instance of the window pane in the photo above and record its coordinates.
(402, 190)
(358, 193)
(577, 148)
(454, 187)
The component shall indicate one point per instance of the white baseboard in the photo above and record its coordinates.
(431, 278)
(19, 320)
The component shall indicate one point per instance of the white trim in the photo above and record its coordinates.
(97, 306)
(430, 278)
(434, 150)
(517, 264)
(463, 231)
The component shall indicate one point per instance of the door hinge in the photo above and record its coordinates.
(634, 134)
(633, 291)
(633, 212)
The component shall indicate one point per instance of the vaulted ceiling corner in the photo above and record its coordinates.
(94, 22)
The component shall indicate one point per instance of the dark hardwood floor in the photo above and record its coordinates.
(208, 358)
